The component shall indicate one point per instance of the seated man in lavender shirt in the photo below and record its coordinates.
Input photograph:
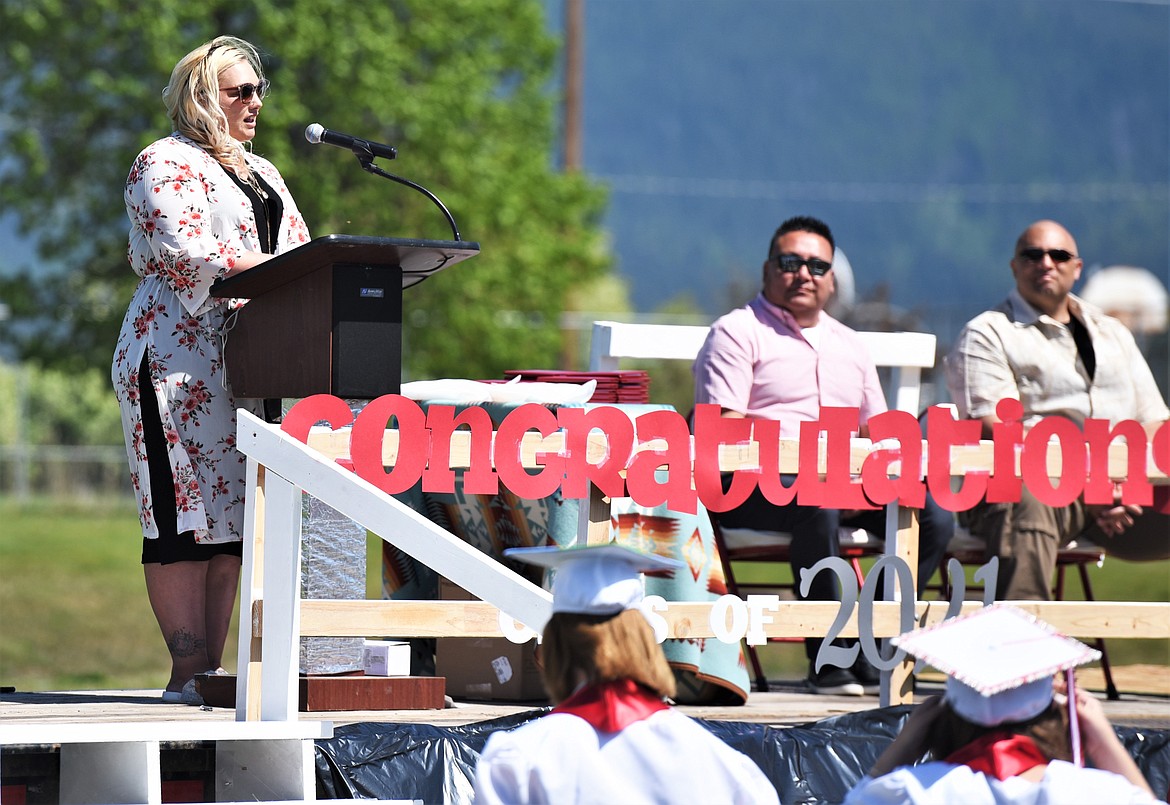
(783, 357)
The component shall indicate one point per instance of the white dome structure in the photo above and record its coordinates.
(1134, 295)
(846, 293)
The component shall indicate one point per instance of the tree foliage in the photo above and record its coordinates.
(47, 406)
(460, 87)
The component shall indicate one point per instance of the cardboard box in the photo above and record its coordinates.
(450, 591)
(386, 658)
(489, 669)
(486, 669)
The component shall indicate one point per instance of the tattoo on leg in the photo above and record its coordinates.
(185, 644)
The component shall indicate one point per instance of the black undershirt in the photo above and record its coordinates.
(267, 208)
(1084, 344)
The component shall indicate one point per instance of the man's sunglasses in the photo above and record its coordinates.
(791, 263)
(1036, 255)
(245, 91)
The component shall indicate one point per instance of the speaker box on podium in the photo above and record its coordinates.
(326, 317)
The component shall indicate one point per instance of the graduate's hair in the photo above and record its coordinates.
(602, 648)
(951, 732)
(192, 98)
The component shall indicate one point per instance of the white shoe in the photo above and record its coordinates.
(190, 695)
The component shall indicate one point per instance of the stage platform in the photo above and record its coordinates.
(201, 754)
(788, 705)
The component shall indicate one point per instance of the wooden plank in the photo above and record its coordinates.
(813, 618)
(913, 350)
(332, 693)
(594, 518)
(282, 590)
(169, 731)
(249, 646)
(402, 619)
(898, 686)
(111, 772)
(336, 618)
(611, 341)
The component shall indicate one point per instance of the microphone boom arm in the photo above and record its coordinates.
(367, 162)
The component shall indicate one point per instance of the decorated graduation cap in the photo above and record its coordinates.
(999, 662)
(595, 579)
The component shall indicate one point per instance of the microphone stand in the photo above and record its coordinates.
(366, 158)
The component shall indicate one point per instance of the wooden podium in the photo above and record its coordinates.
(326, 317)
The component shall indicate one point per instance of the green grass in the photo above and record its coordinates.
(74, 613)
(73, 606)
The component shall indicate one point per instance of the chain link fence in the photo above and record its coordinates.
(64, 471)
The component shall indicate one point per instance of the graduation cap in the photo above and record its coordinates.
(595, 579)
(999, 662)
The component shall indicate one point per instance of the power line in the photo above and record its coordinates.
(892, 192)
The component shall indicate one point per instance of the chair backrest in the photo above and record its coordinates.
(905, 354)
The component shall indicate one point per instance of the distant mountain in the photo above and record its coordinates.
(928, 134)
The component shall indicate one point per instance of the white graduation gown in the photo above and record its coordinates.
(665, 758)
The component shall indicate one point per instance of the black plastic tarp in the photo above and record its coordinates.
(812, 763)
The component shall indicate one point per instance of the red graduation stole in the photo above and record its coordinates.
(1000, 755)
(612, 706)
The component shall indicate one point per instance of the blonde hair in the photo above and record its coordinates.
(191, 98)
(602, 648)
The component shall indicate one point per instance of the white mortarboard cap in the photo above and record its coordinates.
(595, 579)
(999, 662)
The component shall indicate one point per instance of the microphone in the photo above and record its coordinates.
(316, 133)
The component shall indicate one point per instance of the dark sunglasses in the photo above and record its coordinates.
(791, 263)
(245, 91)
(1036, 255)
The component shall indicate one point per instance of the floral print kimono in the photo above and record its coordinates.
(189, 222)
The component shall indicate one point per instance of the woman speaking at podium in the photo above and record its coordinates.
(202, 207)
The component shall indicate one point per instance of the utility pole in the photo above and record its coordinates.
(574, 62)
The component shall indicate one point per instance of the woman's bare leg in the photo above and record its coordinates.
(223, 582)
(178, 596)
